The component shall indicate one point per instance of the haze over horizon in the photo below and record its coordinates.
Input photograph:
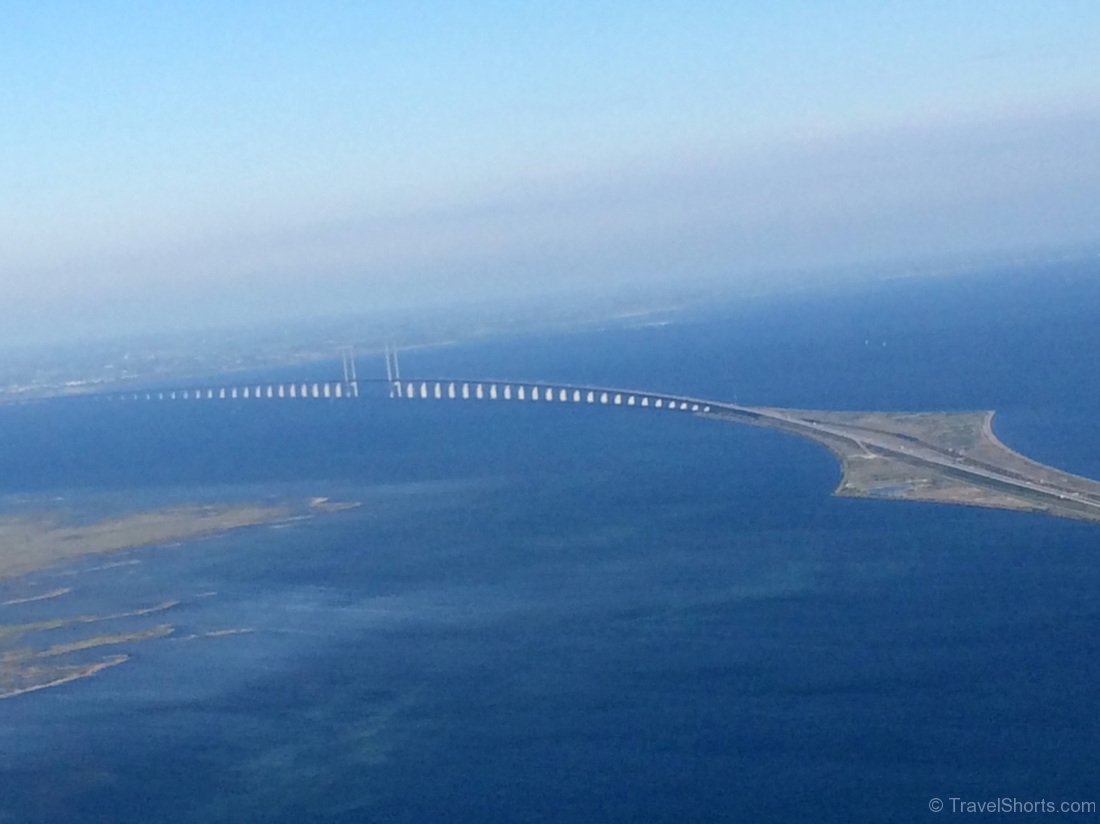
(173, 164)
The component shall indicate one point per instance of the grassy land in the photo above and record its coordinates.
(34, 541)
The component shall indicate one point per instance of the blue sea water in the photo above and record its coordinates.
(545, 613)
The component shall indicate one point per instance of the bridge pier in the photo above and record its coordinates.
(428, 389)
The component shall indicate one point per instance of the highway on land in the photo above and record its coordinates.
(919, 454)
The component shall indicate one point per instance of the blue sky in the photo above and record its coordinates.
(256, 159)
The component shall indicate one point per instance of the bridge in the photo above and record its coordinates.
(430, 389)
(927, 468)
(425, 389)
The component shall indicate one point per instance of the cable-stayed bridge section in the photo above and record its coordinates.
(944, 457)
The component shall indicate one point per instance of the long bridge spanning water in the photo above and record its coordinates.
(881, 453)
(429, 389)
(424, 389)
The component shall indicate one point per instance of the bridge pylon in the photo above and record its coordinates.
(393, 371)
(351, 379)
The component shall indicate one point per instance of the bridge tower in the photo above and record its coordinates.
(351, 379)
(393, 371)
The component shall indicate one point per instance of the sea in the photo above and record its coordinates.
(549, 613)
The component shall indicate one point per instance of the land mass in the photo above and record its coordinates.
(32, 541)
(940, 457)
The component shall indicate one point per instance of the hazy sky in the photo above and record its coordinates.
(209, 159)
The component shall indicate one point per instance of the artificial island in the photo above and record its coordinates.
(939, 457)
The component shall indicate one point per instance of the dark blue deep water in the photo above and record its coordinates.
(574, 615)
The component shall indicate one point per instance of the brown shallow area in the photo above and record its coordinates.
(30, 659)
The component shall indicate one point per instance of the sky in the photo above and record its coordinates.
(177, 164)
